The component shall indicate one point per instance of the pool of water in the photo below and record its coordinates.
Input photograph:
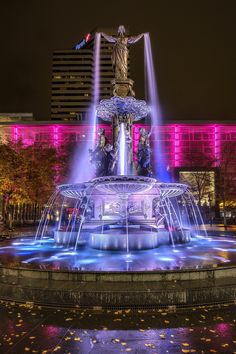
(45, 254)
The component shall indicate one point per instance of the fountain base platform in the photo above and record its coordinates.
(45, 274)
(119, 290)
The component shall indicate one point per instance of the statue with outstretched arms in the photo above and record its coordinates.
(120, 51)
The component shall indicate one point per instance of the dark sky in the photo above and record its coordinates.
(194, 45)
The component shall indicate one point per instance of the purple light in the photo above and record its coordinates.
(177, 153)
(96, 84)
(55, 136)
(153, 101)
(15, 135)
(223, 329)
(82, 170)
(217, 144)
(122, 167)
(176, 146)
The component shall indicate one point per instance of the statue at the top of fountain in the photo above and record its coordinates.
(120, 51)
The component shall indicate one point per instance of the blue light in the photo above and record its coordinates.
(28, 252)
(80, 44)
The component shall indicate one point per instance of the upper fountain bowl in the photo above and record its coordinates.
(122, 106)
(123, 185)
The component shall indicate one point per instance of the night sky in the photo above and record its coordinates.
(194, 45)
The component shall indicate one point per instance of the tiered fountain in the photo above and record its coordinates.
(125, 237)
(124, 208)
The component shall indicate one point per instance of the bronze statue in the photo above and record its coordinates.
(144, 138)
(120, 51)
(144, 153)
(102, 139)
(104, 155)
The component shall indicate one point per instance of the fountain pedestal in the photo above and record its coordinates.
(122, 88)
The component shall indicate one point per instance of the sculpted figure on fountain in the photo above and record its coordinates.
(122, 86)
(102, 139)
(120, 51)
(144, 153)
(103, 156)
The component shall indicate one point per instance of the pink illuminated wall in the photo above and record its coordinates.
(51, 135)
(187, 145)
(184, 145)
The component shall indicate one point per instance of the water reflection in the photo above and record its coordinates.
(203, 252)
(37, 330)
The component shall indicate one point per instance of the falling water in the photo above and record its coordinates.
(82, 219)
(127, 226)
(197, 214)
(169, 221)
(153, 100)
(61, 213)
(96, 85)
(122, 162)
(43, 224)
(73, 218)
(79, 173)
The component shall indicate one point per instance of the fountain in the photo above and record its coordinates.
(126, 223)
(123, 204)
(124, 208)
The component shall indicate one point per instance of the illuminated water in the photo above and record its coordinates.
(154, 103)
(178, 216)
(81, 158)
(122, 161)
(201, 252)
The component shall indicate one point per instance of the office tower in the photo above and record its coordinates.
(72, 77)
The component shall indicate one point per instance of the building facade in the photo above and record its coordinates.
(72, 77)
(184, 144)
(197, 154)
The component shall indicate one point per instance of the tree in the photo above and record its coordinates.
(13, 180)
(28, 174)
(201, 178)
(201, 182)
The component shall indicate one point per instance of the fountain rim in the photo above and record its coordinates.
(124, 184)
(157, 187)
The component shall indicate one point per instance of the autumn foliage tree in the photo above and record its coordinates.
(28, 174)
(13, 178)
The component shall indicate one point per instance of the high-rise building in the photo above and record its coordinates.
(72, 77)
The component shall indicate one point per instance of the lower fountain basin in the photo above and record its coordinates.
(138, 239)
(45, 274)
(66, 238)
(115, 241)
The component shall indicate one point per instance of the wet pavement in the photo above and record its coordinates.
(25, 329)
